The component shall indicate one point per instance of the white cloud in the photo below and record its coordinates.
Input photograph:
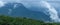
(2, 3)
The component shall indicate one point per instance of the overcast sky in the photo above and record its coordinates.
(26, 0)
(55, 4)
(29, 1)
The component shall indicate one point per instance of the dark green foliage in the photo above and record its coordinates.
(7, 20)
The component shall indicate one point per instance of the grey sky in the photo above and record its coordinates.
(32, 1)
(26, 0)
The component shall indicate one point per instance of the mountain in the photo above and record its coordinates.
(18, 9)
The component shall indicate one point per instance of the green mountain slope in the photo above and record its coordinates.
(7, 20)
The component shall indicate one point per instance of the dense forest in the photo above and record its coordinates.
(8, 20)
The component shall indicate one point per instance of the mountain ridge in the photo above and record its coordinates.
(20, 10)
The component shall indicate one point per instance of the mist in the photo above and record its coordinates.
(36, 5)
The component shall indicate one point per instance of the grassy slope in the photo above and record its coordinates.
(6, 20)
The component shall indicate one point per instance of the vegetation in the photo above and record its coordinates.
(7, 20)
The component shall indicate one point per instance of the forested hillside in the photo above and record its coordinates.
(8, 20)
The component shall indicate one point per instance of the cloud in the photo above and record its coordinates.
(26, 0)
(10, 10)
(2, 3)
(15, 6)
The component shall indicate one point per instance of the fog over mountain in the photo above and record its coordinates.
(36, 9)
